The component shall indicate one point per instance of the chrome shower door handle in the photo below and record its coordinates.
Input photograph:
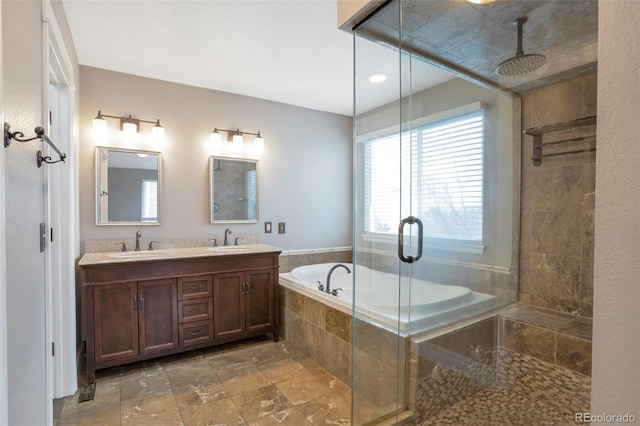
(409, 220)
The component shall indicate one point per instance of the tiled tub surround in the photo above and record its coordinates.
(324, 334)
(432, 305)
(484, 370)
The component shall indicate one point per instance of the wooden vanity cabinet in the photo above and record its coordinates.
(133, 311)
(133, 318)
(243, 303)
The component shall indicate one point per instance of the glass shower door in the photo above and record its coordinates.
(387, 238)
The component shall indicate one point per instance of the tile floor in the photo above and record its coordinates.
(255, 382)
(492, 407)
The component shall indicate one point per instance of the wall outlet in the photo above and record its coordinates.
(267, 227)
(281, 228)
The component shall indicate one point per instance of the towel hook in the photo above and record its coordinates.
(40, 134)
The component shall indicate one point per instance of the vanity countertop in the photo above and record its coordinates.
(104, 258)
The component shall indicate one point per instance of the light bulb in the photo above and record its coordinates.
(157, 132)
(258, 144)
(237, 143)
(99, 127)
(216, 140)
(129, 129)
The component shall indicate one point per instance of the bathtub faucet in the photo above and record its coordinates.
(339, 265)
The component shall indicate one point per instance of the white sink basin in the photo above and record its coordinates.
(135, 255)
(230, 249)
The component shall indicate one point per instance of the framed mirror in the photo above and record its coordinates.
(234, 190)
(128, 186)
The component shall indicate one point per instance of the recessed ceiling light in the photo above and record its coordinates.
(377, 77)
(481, 1)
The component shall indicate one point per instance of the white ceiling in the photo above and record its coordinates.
(287, 51)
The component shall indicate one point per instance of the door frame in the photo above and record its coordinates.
(60, 193)
(4, 393)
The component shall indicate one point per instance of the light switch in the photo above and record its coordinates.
(280, 227)
(267, 227)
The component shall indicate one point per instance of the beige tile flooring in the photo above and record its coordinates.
(256, 382)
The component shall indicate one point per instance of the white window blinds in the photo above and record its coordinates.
(436, 172)
(149, 200)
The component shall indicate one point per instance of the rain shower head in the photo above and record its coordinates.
(520, 64)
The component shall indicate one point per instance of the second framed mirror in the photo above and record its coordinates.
(234, 190)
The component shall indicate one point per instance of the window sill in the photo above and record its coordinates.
(443, 244)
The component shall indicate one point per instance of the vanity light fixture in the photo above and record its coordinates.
(236, 141)
(129, 126)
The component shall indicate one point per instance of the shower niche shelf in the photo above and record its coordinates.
(538, 132)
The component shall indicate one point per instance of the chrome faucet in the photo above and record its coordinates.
(138, 236)
(226, 232)
(339, 265)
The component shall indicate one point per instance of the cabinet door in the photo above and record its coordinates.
(158, 302)
(228, 304)
(259, 300)
(115, 321)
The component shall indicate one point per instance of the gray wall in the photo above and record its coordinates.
(305, 172)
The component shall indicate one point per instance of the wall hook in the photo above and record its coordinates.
(40, 134)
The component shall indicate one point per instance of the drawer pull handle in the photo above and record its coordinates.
(194, 310)
(195, 287)
(195, 333)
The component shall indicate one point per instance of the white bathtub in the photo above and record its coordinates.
(379, 300)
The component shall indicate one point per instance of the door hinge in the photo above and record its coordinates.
(53, 349)
(51, 229)
(84, 346)
(43, 237)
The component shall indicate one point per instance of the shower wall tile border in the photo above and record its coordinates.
(550, 336)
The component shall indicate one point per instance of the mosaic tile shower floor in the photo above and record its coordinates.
(254, 383)
(492, 407)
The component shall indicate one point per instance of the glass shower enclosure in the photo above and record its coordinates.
(435, 223)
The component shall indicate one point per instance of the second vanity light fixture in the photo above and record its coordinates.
(235, 139)
(128, 125)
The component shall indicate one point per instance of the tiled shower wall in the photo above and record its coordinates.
(558, 203)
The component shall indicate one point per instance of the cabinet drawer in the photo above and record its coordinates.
(196, 333)
(194, 287)
(195, 310)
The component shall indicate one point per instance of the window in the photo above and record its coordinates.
(252, 196)
(443, 162)
(149, 211)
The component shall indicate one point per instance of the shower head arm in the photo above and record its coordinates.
(520, 22)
